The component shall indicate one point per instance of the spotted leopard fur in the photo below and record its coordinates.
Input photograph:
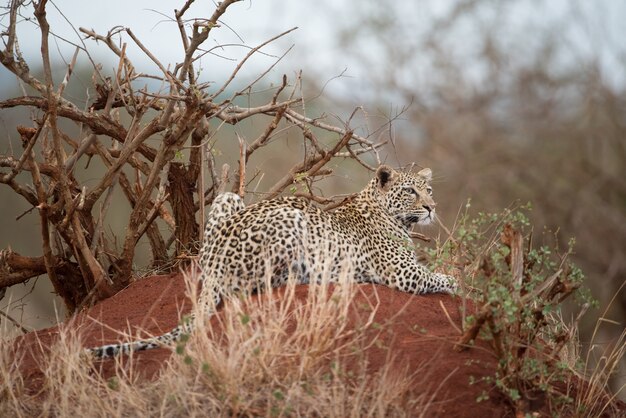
(290, 236)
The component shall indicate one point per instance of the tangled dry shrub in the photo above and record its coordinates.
(153, 139)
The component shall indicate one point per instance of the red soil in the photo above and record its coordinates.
(419, 333)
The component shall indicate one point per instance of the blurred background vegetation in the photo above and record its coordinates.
(519, 101)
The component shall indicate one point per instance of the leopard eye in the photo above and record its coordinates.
(429, 190)
(409, 190)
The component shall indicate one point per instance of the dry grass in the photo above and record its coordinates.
(596, 398)
(267, 357)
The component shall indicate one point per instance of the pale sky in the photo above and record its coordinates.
(315, 46)
(249, 21)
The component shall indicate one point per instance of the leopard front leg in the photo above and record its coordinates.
(421, 280)
(444, 283)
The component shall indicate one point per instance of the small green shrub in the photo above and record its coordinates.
(518, 285)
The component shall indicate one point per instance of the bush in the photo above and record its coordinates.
(520, 282)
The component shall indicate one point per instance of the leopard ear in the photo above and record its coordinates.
(426, 174)
(385, 177)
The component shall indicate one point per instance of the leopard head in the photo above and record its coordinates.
(406, 196)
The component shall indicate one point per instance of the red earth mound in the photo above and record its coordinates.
(422, 330)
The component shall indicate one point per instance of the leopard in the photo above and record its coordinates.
(290, 237)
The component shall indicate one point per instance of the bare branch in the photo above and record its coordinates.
(223, 178)
(243, 157)
(201, 33)
(154, 59)
(417, 235)
(108, 41)
(319, 199)
(31, 138)
(262, 140)
(159, 201)
(234, 114)
(22, 191)
(88, 263)
(125, 155)
(243, 61)
(294, 116)
(12, 59)
(68, 74)
(183, 34)
(99, 124)
(17, 324)
(308, 168)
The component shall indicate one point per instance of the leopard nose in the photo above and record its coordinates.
(429, 205)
